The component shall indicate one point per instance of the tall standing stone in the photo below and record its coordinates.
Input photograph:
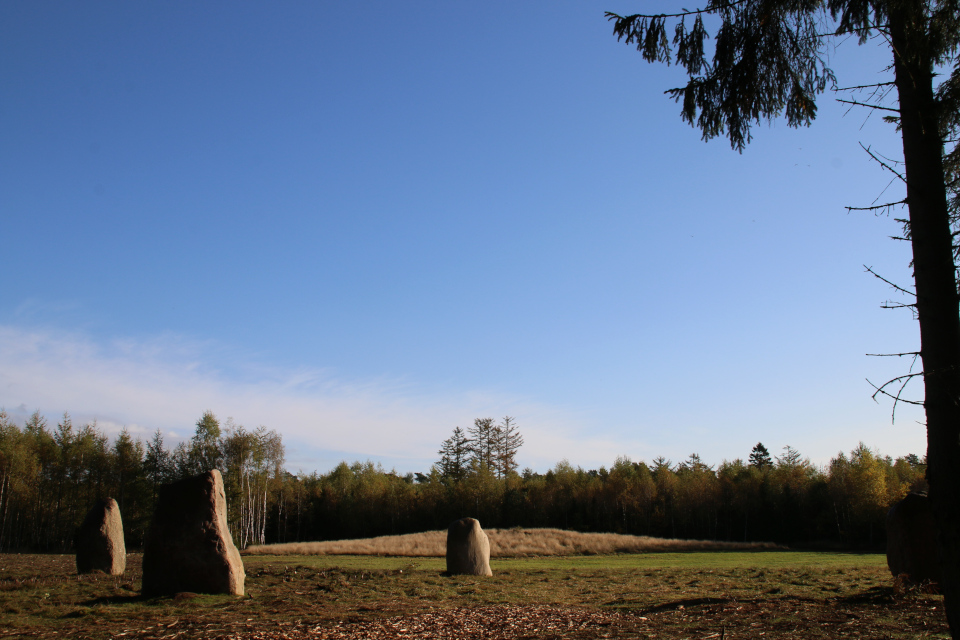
(100, 545)
(912, 540)
(468, 549)
(189, 547)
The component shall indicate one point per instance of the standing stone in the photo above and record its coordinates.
(189, 547)
(468, 549)
(100, 544)
(912, 540)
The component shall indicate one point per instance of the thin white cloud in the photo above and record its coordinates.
(167, 382)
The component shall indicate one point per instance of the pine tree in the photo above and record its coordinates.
(63, 437)
(483, 442)
(760, 457)
(157, 463)
(454, 456)
(508, 442)
(789, 458)
(181, 463)
(127, 465)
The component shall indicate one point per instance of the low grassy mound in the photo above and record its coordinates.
(506, 543)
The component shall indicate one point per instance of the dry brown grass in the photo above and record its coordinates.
(505, 543)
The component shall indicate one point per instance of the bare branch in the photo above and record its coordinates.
(865, 86)
(897, 287)
(903, 380)
(864, 104)
(899, 305)
(882, 163)
(892, 161)
(888, 205)
(894, 355)
(906, 376)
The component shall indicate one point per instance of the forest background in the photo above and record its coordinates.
(51, 475)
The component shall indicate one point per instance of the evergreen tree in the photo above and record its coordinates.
(454, 456)
(157, 463)
(661, 464)
(63, 437)
(760, 457)
(508, 442)
(695, 464)
(789, 458)
(96, 461)
(769, 59)
(181, 463)
(483, 443)
(130, 485)
(127, 465)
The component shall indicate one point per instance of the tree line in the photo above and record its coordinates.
(51, 475)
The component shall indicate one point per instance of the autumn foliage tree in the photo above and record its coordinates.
(45, 472)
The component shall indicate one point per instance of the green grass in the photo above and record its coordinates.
(695, 560)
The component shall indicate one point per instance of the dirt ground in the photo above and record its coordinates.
(42, 597)
(768, 619)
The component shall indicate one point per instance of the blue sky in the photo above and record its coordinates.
(363, 224)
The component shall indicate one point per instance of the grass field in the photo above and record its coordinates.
(506, 543)
(769, 594)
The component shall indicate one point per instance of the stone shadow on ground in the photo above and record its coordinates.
(136, 597)
(683, 604)
(874, 595)
(139, 597)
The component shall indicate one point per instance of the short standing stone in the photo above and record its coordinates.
(189, 547)
(912, 540)
(468, 549)
(100, 544)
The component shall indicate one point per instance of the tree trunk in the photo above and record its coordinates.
(3, 507)
(936, 287)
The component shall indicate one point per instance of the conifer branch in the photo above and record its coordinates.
(897, 287)
(610, 15)
(898, 305)
(883, 164)
(904, 380)
(871, 106)
(894, 355)
(878, 206)
(847, 31)
(866, 86)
